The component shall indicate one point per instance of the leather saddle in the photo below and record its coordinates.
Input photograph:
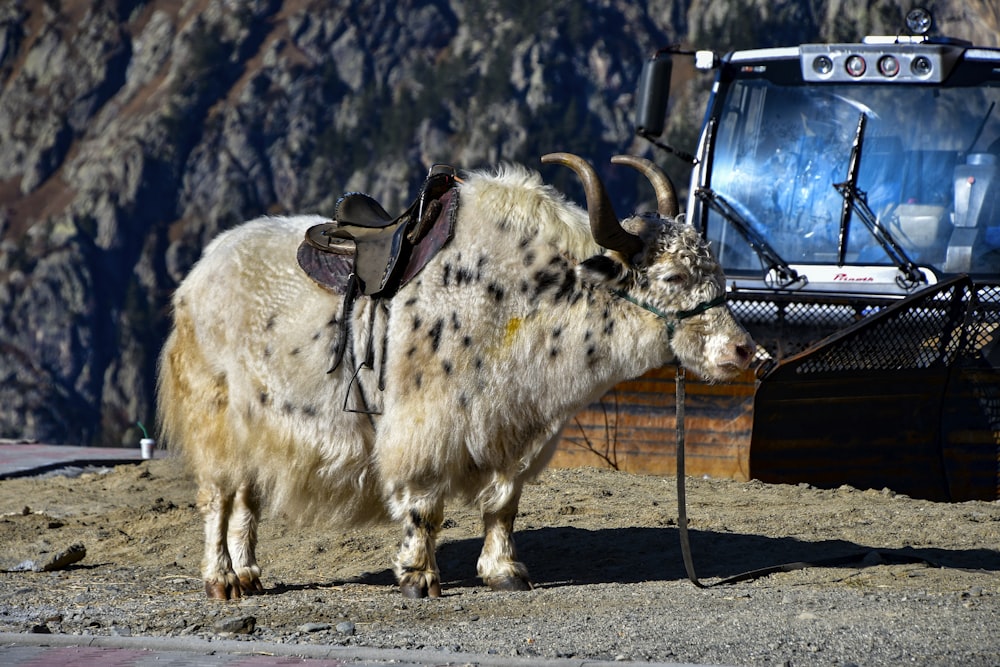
(380, 252)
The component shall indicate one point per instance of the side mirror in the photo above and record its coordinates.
(652, 96)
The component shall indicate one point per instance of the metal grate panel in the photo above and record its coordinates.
(783, 327)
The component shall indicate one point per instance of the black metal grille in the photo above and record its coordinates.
(955, 317)
(782, 327)
(984, 322)
(926, 332)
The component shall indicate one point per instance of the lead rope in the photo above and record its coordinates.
(682, 521)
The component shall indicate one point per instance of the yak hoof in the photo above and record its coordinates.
(417, 590)
(219, 590)
(251, 586)
(509, 583)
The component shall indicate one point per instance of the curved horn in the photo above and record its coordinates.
(604, 224)
(666, 196)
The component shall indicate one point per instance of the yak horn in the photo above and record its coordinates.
(666, 196)
(604, 224)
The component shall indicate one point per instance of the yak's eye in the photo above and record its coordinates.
(674, 279)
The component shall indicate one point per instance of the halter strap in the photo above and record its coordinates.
(675, 318)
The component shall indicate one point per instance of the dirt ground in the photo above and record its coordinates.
(603, 550)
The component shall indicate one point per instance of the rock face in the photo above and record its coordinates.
(132, 132)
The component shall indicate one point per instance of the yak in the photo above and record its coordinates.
(533, 309)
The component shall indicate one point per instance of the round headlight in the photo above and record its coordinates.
(822, 65)
(888, 66)
(919, 21)
(855, 65)
(921, 66)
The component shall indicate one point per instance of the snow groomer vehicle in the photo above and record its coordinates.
(852, 195)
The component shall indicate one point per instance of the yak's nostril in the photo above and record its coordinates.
(744, 352)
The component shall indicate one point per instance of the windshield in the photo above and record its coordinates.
(929, 171)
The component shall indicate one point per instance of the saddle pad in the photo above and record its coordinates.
(328, 269)
(435, 238)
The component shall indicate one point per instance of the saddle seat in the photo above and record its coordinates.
(381, 252)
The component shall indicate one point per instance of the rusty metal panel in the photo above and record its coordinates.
(632, 427)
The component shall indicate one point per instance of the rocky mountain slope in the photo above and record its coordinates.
(133, 131)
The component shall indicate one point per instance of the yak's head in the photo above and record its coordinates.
(661, 263)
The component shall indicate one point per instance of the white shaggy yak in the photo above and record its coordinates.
(514, 326)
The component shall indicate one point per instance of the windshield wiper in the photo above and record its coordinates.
(777, 272)
(776, 268)
(856, 200)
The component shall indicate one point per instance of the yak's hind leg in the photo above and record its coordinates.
(415, 564)
(226, 514)
(241, 538)
(498, 566)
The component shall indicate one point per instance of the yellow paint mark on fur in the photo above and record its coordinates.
(513, 324)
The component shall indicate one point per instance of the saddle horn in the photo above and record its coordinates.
(604, 224)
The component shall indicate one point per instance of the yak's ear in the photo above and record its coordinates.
(602, 270)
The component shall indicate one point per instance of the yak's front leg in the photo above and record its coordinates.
(498, 566)
(241, 538)
(415, 565)
(216, 506)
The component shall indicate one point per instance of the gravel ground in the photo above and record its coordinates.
(602, 547)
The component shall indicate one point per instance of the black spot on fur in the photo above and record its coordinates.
(411, 351)
(566, 287)
(478, 364)
(317, 335)
(295, 351)
(587, 335)
(411, 301)
(270, 322)
(591, 350)
(309, 411)
(464, 276)
(557, 332)
(545, 280)
(263, 398)
(529, 258)
(455, 324)
(418, 380)
(496, 291)
(417, 519)
(553, 353)
(287, 408)
(446, 365)
(417, 322)
(435, 334)
(609, 327)
(467, 341)
(446, 275)
(524, 287)
(268, 351)
(463, 401)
